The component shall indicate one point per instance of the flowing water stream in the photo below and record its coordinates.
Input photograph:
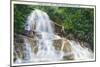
(40, 22)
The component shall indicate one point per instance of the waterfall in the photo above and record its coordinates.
(27, 50)
(39, 22)
(79, 52)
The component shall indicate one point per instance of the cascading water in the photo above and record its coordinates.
(79, 52)
(39, 22)
(27, 51)
(44, 30)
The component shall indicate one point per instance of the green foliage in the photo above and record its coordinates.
(20, 14)
(78, 21)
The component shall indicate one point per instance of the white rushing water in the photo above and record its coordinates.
(40, 22)
(79, 52)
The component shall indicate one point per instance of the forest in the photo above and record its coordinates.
(78, 22)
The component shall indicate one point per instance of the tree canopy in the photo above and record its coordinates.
(78, 21)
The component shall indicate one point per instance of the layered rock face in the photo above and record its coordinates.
(60, 44)
(42, 41)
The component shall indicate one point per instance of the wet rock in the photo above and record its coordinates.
(60, 44)
(70, 37)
